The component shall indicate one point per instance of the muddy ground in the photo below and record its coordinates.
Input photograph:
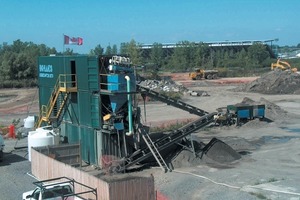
(270, 154)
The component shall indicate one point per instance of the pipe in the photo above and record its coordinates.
(130, 131)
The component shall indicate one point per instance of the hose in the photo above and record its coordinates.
(236, 187)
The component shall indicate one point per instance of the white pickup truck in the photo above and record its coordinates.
(1, 148)
(56, 190)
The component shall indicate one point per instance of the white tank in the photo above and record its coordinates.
(41, 137)
(29, 122)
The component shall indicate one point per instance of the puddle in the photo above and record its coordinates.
(273, 139)
(292, 130)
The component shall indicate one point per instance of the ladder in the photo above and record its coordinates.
(170, 101)
(168, 140)
(154, 151)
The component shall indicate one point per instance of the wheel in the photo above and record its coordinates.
(1, 156)
(209, 76)
(215, 76)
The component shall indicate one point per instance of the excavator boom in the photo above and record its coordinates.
(282, 65)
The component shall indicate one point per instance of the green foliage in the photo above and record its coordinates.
(18, 63)
(108, 50)
(258, 53)
(98, 50)
(295, 62)
(183, 58)
(132, 50)
(114, 50)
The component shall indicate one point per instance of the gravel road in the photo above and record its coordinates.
(268, 169)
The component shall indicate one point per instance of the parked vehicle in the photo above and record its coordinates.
(203, 74)
(57, 189)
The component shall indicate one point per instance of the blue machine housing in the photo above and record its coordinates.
(246, 112)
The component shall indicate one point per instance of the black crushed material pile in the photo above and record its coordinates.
(274, 82)
(220, 152)
(215, 152)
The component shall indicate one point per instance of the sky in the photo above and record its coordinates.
(109, 22)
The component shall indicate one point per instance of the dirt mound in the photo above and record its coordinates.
(215, 152)
(186, 159)
(220, 152)
(274, 82)
(272, 111)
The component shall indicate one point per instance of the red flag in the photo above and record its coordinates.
(73, 40)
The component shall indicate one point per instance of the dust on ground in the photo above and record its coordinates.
(268, 149)
(261, 157)
(17, 104)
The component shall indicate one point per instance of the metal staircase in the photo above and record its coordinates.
(170, 101)
(65, 84)
(154, 150)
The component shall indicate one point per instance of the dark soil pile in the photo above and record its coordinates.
(220, 152)
(274, 82)
(215, 152)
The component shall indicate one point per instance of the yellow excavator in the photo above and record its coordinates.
(283, 65)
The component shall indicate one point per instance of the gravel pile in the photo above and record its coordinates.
(274, 82)
(163, 85)
(220, 152)
(216, 152)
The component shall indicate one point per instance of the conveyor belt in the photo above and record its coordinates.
(168, 140)
(170, 101)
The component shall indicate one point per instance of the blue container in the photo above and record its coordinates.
(259, 111)
(117, 83)
(244, 114)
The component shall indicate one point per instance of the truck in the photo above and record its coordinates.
(1, 148)
(57, 189)
(199, 74)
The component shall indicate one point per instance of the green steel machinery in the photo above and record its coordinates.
(90, 100)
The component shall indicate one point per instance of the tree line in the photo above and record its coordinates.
(18, 61)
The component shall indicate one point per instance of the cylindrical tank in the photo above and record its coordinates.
(29, 122)
(41, 137)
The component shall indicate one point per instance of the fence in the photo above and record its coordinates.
(129, 187)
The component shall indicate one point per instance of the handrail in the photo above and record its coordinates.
(67, 81)
(63, 82)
